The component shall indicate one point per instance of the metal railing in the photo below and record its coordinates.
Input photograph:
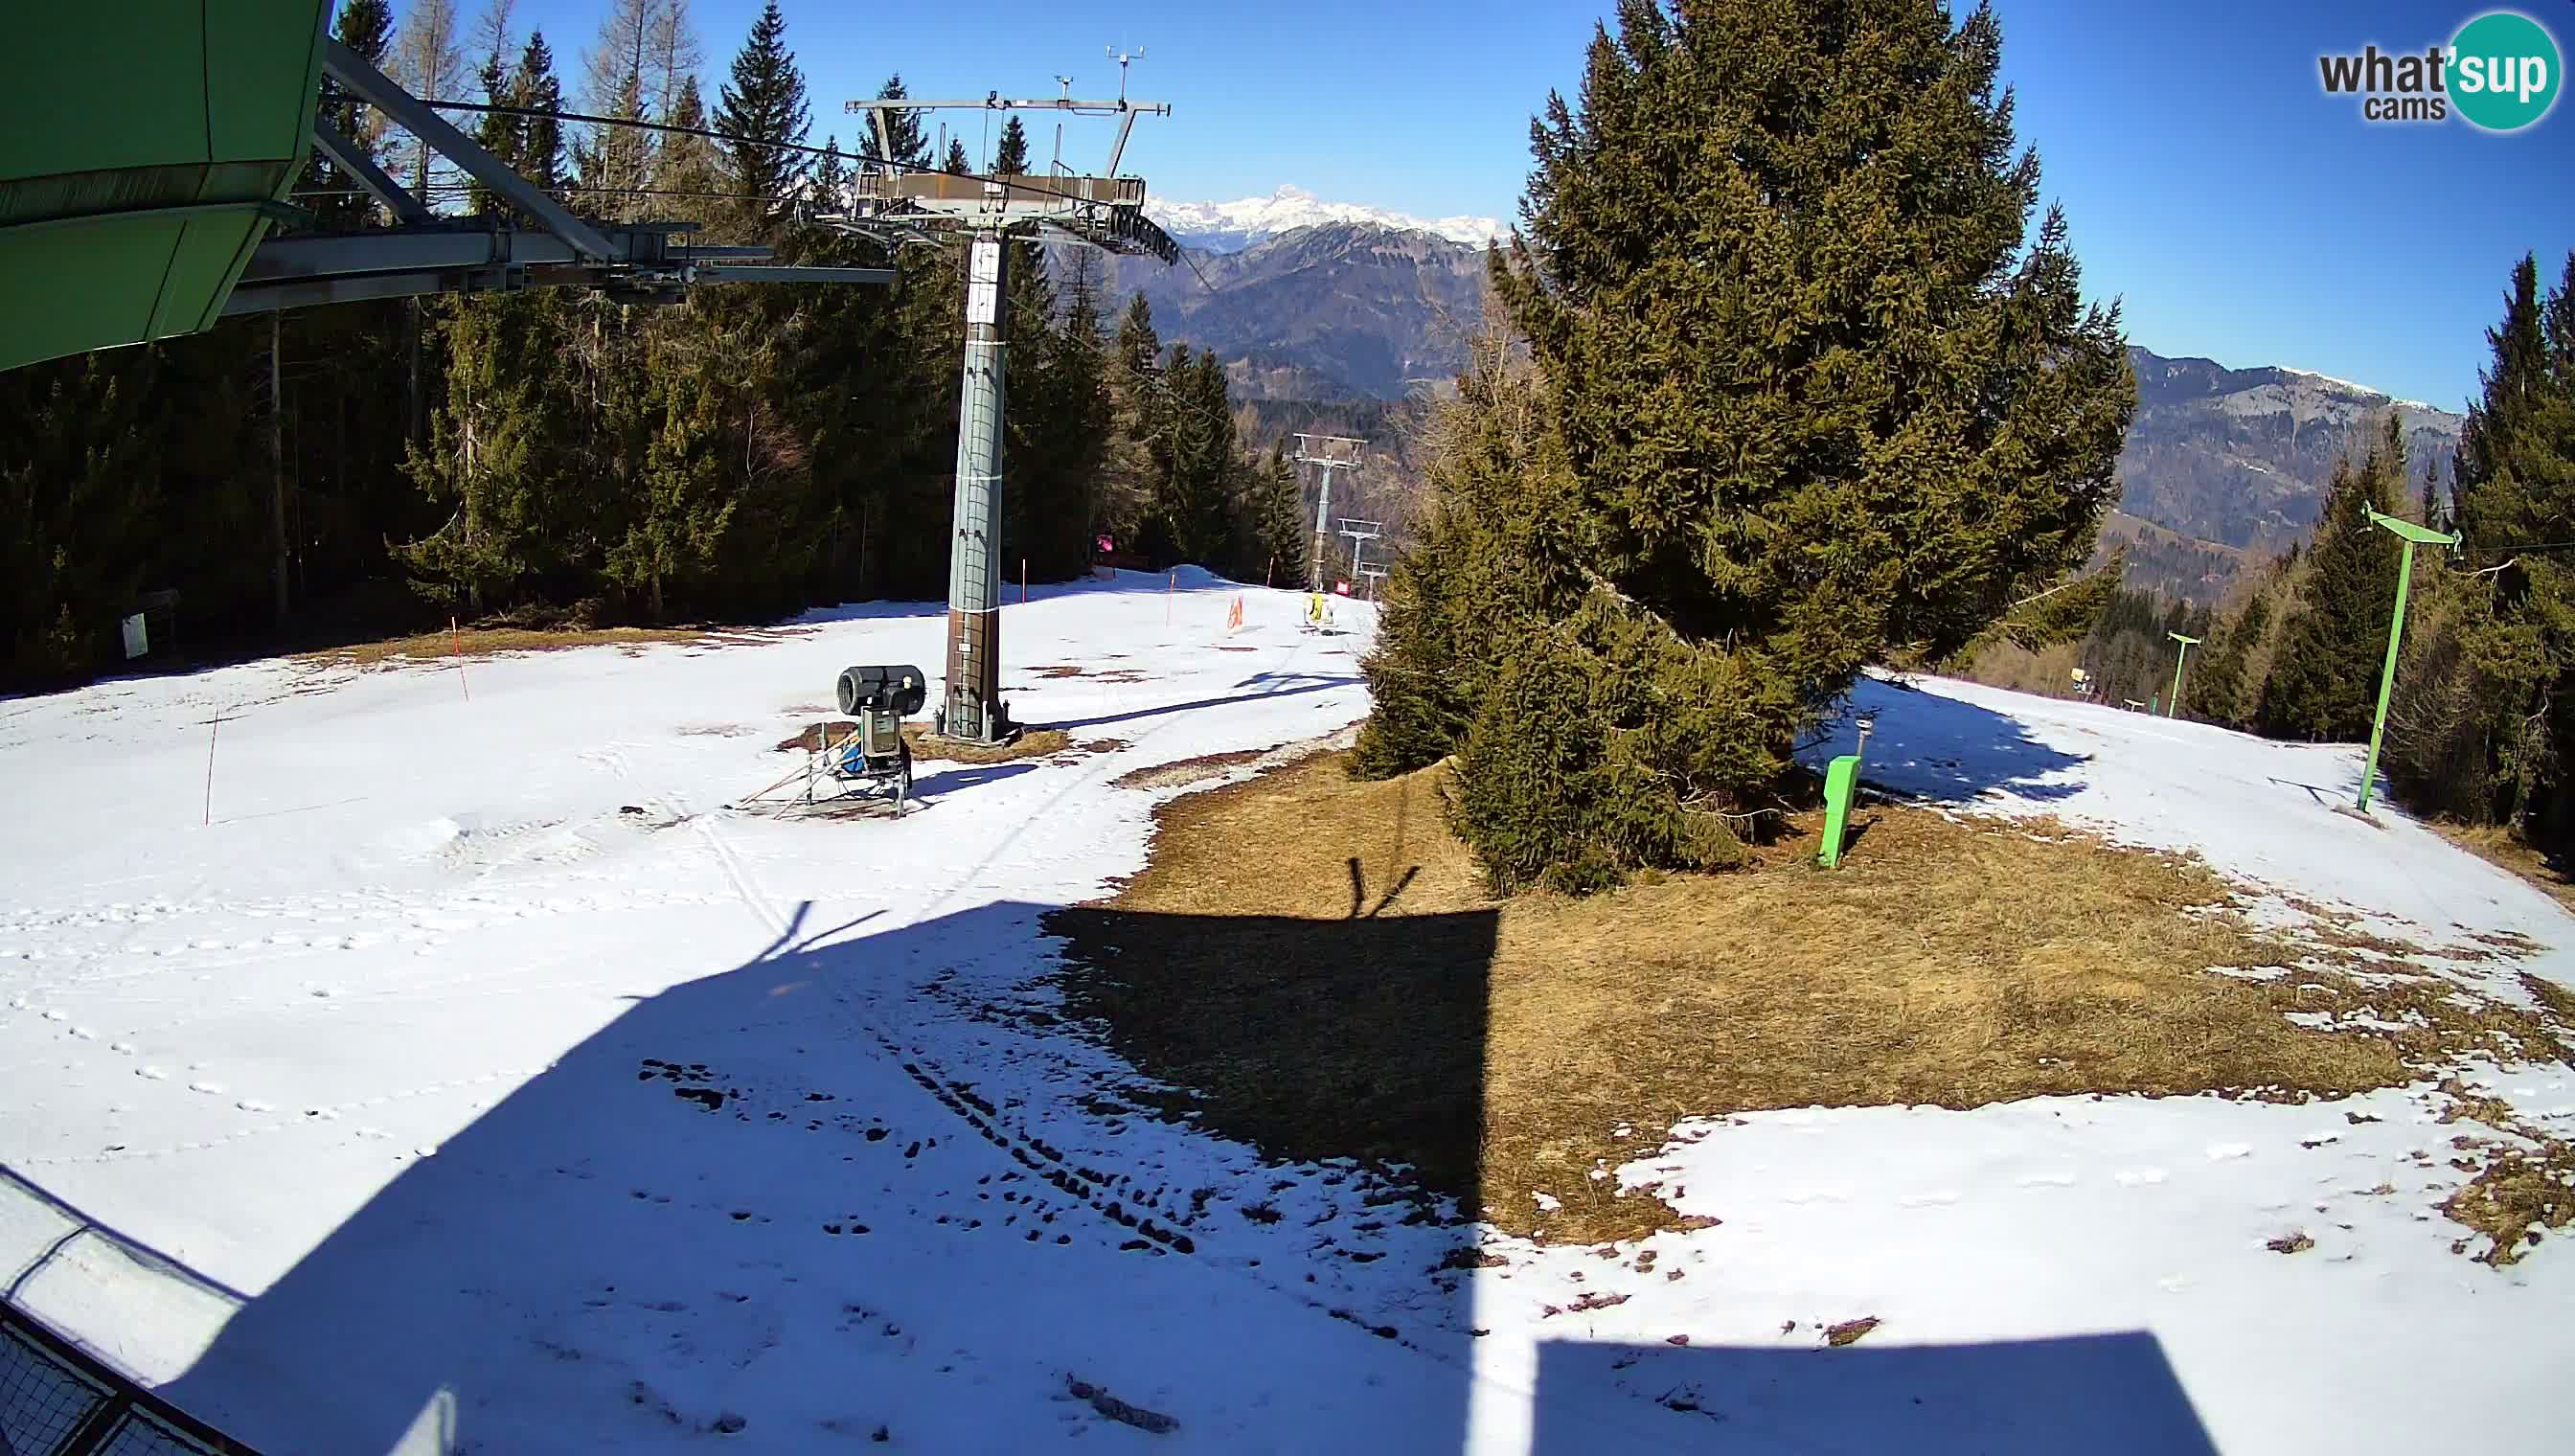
(57, 1399)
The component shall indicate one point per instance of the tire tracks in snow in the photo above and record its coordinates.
(1079, 1183)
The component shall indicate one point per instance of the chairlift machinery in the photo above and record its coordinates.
(141, 174)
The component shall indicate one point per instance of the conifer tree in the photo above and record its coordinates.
(1820, 391)
(1280, 534)
(2324, 683)
(497, 132)
(1010, 157)
(539, 156)
(761, 105)
(957, 163)
(689, 164)
(427, 61)
(1124, 499)
(2218, 681)
(615, 165)
(2515, 486)
(686, 505)
(497, 453)
(831, 177)
(903, 128)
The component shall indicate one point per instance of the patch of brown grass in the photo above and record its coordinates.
(487, 642)
(1315, 960)
(1034, 743)
(2519, 1191)
(2495, 844)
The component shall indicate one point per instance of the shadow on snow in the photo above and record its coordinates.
(946, 1180)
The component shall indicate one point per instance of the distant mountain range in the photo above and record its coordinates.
(1326, 302)
(1330, 312)
(2241, 457)
(1231, 227)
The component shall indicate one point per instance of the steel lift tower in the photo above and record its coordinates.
(991, 212)
(1331, 452)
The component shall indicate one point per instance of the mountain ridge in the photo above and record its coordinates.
(2232, 463)
(1231, 226)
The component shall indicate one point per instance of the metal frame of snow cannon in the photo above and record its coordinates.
(875, 754)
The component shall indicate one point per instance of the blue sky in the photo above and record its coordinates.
(2238, 211)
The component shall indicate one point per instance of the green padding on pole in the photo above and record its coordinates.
(2412, 535)
(2387, 675)
(1841, 780)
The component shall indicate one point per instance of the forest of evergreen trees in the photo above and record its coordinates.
(2481, 718)
(561, 456)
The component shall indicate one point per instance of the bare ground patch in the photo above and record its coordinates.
(1188, 771)
(487, 642)
(1313, 959)
(2495, 844)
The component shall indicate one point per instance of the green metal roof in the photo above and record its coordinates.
(145, 148)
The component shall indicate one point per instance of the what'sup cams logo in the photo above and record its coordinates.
(2500, 73)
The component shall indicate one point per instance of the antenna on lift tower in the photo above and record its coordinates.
(1123, 59)
(897, 202)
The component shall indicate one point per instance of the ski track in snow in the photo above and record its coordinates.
(533, 1097)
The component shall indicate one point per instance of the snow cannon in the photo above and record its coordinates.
(900, 690)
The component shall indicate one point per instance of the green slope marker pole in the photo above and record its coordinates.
(2173, 707)
(2413, 536)
(1840, 776)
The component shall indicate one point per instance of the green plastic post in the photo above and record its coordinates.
(2173, 707)
(1841, 777)
(2413, 536)
(2387, 675)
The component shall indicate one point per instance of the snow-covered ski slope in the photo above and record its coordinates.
(477, 1082)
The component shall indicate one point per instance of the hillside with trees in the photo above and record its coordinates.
(553, 456)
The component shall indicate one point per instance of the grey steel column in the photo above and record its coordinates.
(973, 707)
(1323, 531)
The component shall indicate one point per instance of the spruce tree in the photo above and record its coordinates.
(1124, 499)
(2324, 683)
(761, 107)
(1281, 522)
(497, 132)
(2515, 486)
(686, 505)
(689, 166)
(1010, 158)
(499, 457)
(614, 166)
(957, 163)
(831, 177)
(1821, 392)
(539, 156)
(911, 148)
(2221, 669)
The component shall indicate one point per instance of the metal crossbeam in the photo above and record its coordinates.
(354, 161)
(460, 258)
(373, 87)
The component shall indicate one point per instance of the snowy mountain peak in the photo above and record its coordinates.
(1231, 227)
